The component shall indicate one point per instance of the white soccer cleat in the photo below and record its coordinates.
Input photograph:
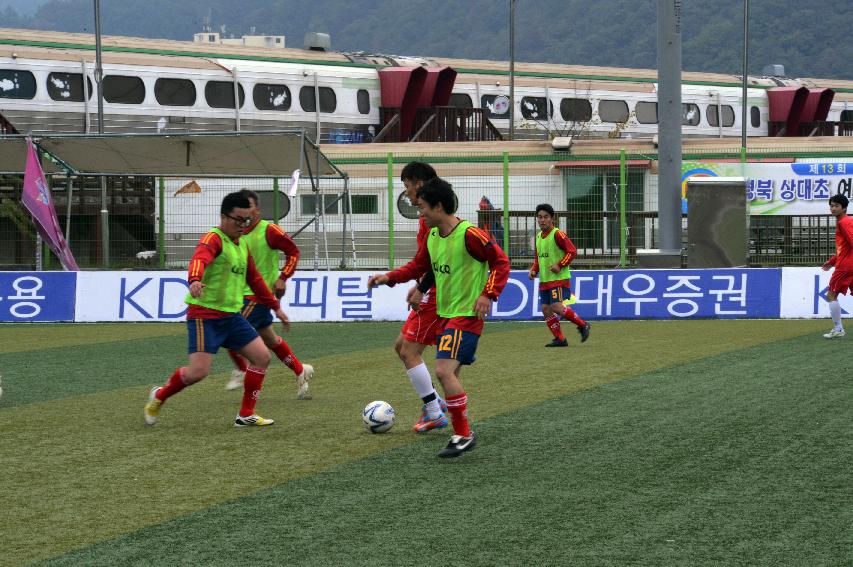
(236, 380)
(302, 382)
(152, 408)
(835, 334)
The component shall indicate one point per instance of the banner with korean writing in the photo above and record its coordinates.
(37, 296)
(804, 295)
(344, 296)
(780, 188)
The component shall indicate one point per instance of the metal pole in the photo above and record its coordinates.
(161, 223)
(236, 100)
(623, 228)
(390, 211)
(505, 243)
(87, 120)
(669, 130)
(511, 69)
(99, 75)
(70, 185)
(744, 103)
(347, 204)
(317, 111)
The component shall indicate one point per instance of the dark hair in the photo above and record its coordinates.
(436, 191)
(234, 201)
(840, 199)
(250, 194)
(545, 207)
(418, 171)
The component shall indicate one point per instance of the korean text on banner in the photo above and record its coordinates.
(36, 198)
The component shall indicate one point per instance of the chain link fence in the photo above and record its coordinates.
(606, 201)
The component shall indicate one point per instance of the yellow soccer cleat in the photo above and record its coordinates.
(152, 408)
(253, 420)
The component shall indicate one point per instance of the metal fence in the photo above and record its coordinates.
(606, 203)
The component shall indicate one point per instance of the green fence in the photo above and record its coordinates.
(606, 202)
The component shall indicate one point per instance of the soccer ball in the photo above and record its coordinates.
(378, 416)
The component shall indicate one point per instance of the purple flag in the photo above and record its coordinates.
(36, 198)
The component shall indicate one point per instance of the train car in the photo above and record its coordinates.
(171, 86)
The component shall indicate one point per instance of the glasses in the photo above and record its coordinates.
(242, 221)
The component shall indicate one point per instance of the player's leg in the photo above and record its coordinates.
(245, 340)
(303, 372)
(433, 409)
(240, 363)
(204, 337)
(837, 330)
(548, 299)
(417, 333)
(563, 310)
(456, 348)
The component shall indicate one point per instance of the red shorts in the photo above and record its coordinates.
(423, 325)
(841, 282)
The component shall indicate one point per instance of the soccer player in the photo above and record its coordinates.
(470, 272)
(423, 322)
(555, 252)
(842, 278)
(265, 240)
(219, 271)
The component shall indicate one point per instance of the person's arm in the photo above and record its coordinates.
(206, 251)
(481, 248)
(259, 287)
(566, 245)
(279, 240)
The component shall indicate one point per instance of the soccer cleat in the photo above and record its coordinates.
(236, 380)
(302, 382)
(458, 445)
(426, 424)
(558, 343)
(835, 334)
(152, 408)
(584, 331)
(252, 420)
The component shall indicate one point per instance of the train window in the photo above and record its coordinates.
(690, 115)
(647, 112)
(497, 105)
(174, 92)
(728, 115)
(575, 110)
(846, 115)
(536, 108)
(329, 202)
(613, 110)
(220, 94)
(363, 204)
(328, 100)
(121, 89)
(363, 99)
(271, 97)
(67, 87)
(461, 100)
(755, 116)
(17, 84)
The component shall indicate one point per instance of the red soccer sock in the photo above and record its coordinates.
(570, 315)
(240, 362)
(284, 354)
(251, 389)
(174, 385)
(457, 406)
(553, 323)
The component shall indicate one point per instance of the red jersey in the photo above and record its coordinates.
(410, 271)
(843, 258)
(566, 245)
(279, 240)
(481, 248)
(208, 248)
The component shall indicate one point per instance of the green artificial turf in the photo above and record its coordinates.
(654, 443)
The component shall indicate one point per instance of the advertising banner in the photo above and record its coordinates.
(804, 295)
(343, 296)
(780, 188)
(37, 296)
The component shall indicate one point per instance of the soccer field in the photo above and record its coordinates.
(654, 443)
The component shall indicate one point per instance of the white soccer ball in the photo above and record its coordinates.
(378, 416)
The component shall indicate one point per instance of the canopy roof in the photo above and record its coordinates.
(237, 154)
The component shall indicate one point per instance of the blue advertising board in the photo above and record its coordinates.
(37, 296)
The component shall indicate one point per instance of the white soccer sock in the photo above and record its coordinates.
(835, 312)
(421, 380)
